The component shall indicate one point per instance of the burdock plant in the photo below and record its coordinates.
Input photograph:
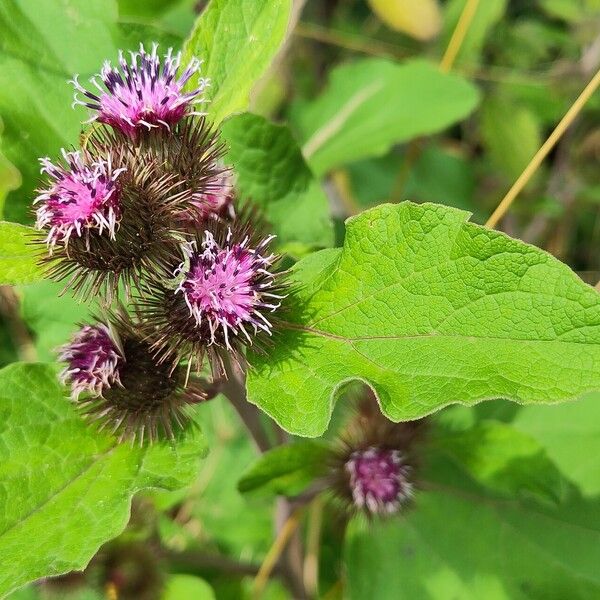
(147, 205)
(225, 262)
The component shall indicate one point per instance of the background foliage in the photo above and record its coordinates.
(343, 107)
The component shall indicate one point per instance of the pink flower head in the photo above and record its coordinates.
(226, 288)
(93, 361)
(83, 197)
(142, 94)
(378, 480)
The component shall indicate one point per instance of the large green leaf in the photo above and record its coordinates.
(372, 104)
(505, 460)
(237, 41)
(429, 310)
(50, 316)
(271, 171)
(570, 433)
(19, 255)
(467, 547)
(461, 539)
(42, 45)
(65, 488)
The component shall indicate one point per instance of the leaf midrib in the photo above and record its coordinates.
(97, 459)
(433, 334)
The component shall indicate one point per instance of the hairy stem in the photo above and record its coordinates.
(234, 389)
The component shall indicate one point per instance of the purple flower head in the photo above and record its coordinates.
(84, 196)
(93, 361)
(143, 93)
(226, 287)
(378, 480)
(126, 388)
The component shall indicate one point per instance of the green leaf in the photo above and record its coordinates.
(51, 317)
(511, 135)
(10, 178)
(505, 460)
(571, 11)
(66, 488)
(453, 545)
(372, 104)
(429, 310)
(438, 175)
(187, 587)
(19, 255)
(271, 171)
(44, 44)
(286, 470)
(487, 14)
(237, 41)
(463, 540)
(570, 433)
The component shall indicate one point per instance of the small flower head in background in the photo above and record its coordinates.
(379, 479)
(373, 465)
(227, 288)
(83, 195)
(217, 199)
(116, 380)
(144, 94)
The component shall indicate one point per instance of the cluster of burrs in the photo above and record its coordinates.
(143, 217)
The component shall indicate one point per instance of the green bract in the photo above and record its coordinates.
(429, 310)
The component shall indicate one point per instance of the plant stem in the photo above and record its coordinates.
(9, 308)
(234, 389)
(275, 551)
(340, 39)
(543, 152)
(313, 542)
(205, 560)
(458, 35)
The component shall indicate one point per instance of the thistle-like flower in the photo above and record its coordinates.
(116, 380)
(93, 361)
(154, 181)
(83, 195)
(379, 479)
(373, 466)
(143, 94)
(221, 298)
